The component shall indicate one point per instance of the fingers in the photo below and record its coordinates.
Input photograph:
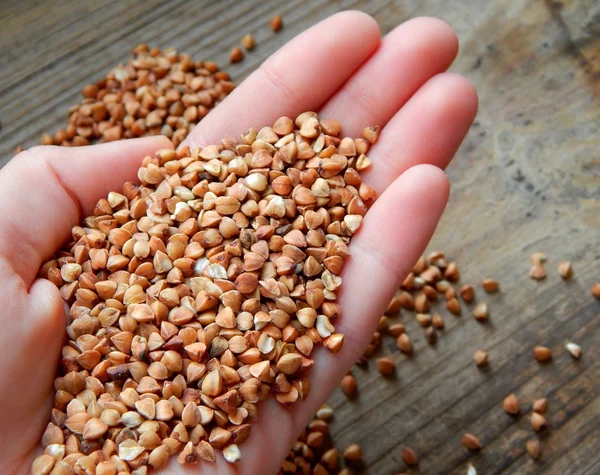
(428, 129)
(394, 234)
(47, 190)
(411, 54)
(300, 76)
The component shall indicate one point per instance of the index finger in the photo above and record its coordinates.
(301, 76)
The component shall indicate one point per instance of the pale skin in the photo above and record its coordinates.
(340, 68)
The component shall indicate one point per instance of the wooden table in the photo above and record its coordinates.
(527, 178)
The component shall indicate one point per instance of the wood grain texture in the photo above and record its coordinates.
(527, 178)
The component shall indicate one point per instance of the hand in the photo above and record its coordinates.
(340, 68)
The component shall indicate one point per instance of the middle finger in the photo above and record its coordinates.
(408, 57)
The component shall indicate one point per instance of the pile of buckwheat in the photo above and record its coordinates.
(196, 294)
(155, 93)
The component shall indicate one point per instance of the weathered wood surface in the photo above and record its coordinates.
(527, 178)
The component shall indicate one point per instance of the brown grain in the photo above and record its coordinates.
(542, 354)
(404, 343)
(565, 270)
(453, 306)
(537, 258)
(540, 405)
(353, 453)
(511, 404)
(481, 358)
(248, 42)
(348, 385)
(471, 442)
(386, 365)
(537, 272)
(437, 321)
(409, 456)
(236, 55)
(431, 335)
(481, 312)
(276, 23)
(467, 293)
(490, 286)
(533, 448)
(538, 422)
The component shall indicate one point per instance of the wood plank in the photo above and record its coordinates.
(527, 178)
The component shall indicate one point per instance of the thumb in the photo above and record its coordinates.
(47, 190)
(33, 331)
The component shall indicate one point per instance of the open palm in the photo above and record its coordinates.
(340, 68)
